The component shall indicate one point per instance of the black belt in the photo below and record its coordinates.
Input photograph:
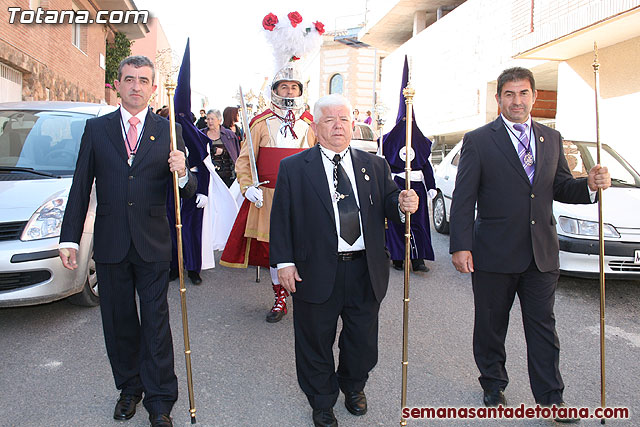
(350, 256)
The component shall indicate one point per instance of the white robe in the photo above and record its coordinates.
(218, 217)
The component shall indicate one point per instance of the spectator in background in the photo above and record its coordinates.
(202, 121)
(356, 115)
(229, 120)
(224, 147)
(368, 120)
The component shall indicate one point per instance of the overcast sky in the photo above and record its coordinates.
(227, 44)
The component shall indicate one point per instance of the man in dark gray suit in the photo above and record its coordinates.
(128, 153)
(328, 243)
(514, 169)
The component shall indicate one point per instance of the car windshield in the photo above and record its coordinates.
(42, 141)
(364, 133)
(581, 157)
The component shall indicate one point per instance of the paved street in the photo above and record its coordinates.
(55, 370)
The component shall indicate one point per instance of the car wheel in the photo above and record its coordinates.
(440, 214)
(89, 296)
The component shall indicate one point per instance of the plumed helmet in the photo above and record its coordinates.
(288, 73)
(291, 38)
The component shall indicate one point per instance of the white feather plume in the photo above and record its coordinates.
(288, 41)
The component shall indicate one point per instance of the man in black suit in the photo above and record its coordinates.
(132, 244)
(328, 243)
(514, 169)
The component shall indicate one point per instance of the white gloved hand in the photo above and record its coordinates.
(201, 200)
(253, 194)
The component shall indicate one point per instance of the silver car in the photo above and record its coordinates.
(39, 144)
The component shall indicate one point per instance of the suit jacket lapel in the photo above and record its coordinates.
(150, 130)
(361, 169)
(540, 136)
(316, 174)
(114, 133)
(503, 141)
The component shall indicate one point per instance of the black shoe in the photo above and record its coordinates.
(160, 420)
(126, 406)
(195, 277)
(173, 275)
(398, 265)
(494, 398)
(275, 316)
(355, 402)
(418, 265)
(563, 420)
(324, 418)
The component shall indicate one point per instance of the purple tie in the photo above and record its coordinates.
(524, 151)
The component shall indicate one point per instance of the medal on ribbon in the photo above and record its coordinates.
(528, 159)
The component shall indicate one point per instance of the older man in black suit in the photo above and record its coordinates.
(327, 241)
(128, 153)
(514, 169)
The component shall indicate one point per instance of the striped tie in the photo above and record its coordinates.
(524, 151)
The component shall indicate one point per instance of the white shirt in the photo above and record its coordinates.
(142, 115)
(347, 164)
(514, 134)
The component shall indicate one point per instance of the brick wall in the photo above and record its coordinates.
(545, 105)
(48, 60)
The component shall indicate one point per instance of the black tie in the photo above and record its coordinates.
(347, 207)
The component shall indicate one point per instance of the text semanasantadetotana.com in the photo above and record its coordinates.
(519, 412)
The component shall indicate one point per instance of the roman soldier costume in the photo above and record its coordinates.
(276, 133)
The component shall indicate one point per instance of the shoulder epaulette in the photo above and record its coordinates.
(307, 117)
(260, 117)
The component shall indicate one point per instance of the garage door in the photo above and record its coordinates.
(10, 84)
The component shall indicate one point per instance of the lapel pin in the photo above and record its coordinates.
(541, 139)
(153, 138)
(366, 177)
(363, 170)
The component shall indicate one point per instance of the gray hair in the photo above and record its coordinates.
(216, 113)
(333, 100)
(137, 61)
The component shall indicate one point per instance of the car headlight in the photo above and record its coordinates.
(46, 221)
(586, 228)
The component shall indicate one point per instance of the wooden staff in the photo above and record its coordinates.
(408, 93)
(183, 297)
(596, 74)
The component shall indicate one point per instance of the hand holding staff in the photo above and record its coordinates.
(177, 172)
(408, 93)
(596, 66)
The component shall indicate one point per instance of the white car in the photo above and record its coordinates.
(364, 138)
(577, 225)
(39, 144)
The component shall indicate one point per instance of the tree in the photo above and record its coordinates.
(116, 52)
